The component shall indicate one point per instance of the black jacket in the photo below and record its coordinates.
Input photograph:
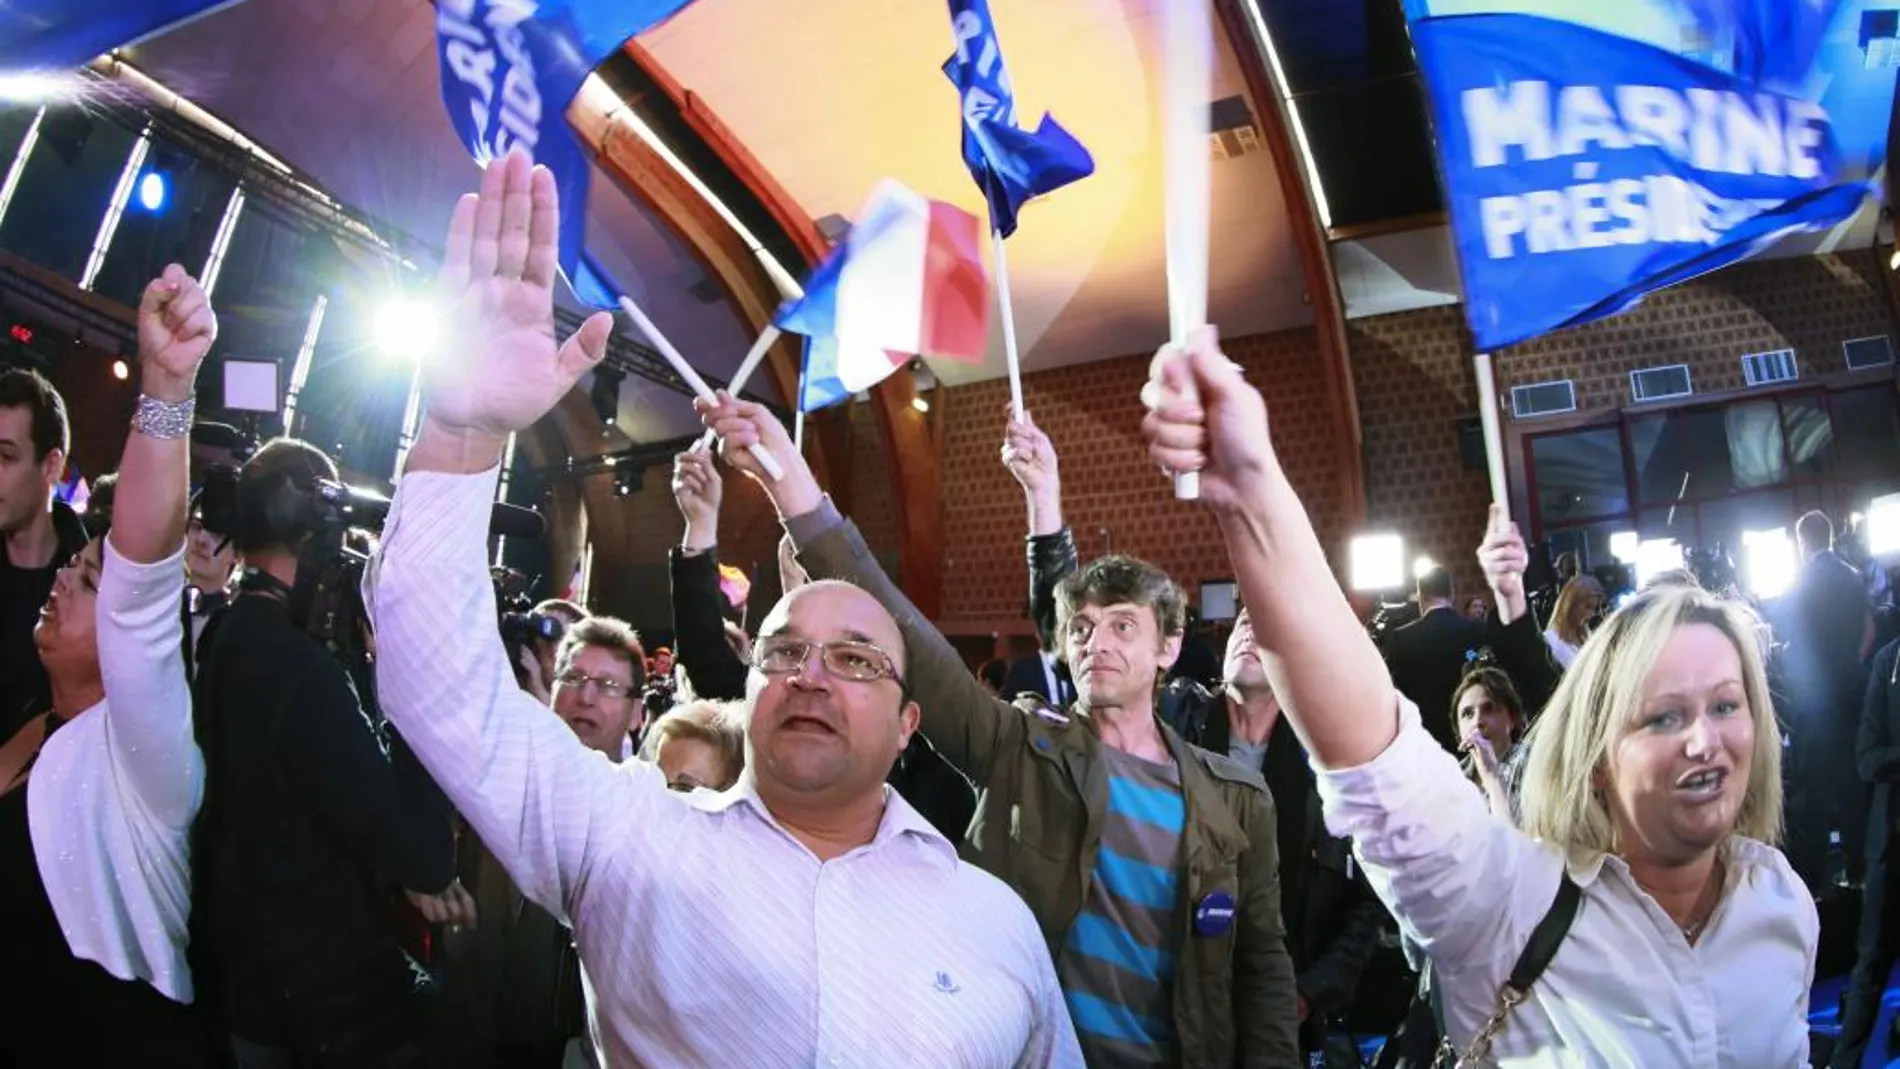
(310, 826)
(1877, 750)
(1333, 920)
(1427, 658)
(24, 691)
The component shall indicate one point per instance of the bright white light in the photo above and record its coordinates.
(1422, 565)
(407, 328)
(1655, 556)
(34, 87)
(920, 404)
(1376, 562)
(120, 371)
(1770, 562)
(1623, 546)
(1883, 525)
(152, 191)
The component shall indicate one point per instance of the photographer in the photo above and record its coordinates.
(308, 820)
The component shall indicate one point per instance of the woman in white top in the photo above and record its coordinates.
(1577, 604)
(1653, 783)
(98, 793)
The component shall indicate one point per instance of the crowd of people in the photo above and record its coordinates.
(270, 802)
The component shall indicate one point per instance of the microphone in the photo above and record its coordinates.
(513, 521)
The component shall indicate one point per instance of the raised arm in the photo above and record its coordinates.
(540, 800)
(699, 636)
(1430, 846)
(1512, 631)
(141, 632)
(1030, 458)
(962, 722)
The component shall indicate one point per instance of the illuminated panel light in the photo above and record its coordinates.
(1655, 556)
(115, 209)
(501, 491)
(153, 189)
(1883, 525)
(1376, 563)
(1623, 545)
(306, 352)
(1293, 113)
(1771, 562)
(1422, 565)
(35, 87)
(214, 263)
(19, 162)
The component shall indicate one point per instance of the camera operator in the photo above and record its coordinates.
(211, 559)
(532, 636)
(309, 822)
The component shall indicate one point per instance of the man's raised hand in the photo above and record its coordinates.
(176, 328)
(1503, 558)
(1202, 416)
(741, 425)
(499, 369)
(699, 490)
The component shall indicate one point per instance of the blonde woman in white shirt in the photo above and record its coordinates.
(1653, 783)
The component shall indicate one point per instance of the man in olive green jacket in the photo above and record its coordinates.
(1053, 785)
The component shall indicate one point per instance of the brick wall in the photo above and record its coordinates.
(1413, 375)
(1112, 497)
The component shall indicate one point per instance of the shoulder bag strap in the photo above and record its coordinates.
(1531, 963)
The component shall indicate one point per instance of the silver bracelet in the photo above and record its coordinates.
(164, 420)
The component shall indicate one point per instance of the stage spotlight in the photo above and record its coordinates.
(153, 189)
(1623, 546)
(407, 328)
(1376, 563)
(120, 371)
(1770, 559)
(1655, 556)
(1423, 564)
(35, 87)
(1883, 526)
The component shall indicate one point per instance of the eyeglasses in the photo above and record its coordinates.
(859, 662)
(607, 688)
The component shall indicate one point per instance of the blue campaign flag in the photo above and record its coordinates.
(818, 383)
(1011, 165)
(56, 35)
(509, 70)
(1585, 169)
(59, 34)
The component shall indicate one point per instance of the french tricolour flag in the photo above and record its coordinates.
(907, 280)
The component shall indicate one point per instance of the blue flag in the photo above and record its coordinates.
(509, 70)
(1011, 165)
(61, 34)
(818, 383)
(1584, 169)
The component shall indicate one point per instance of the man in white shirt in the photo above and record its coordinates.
(808, 916)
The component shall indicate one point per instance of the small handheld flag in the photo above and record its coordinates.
(908, 279)
(1011, 165)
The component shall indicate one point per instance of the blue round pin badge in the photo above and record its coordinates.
(1214, 914)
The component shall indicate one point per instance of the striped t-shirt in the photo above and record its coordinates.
(1117, 964)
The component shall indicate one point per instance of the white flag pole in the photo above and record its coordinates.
(740, 377)
(1489, 419)
(1188, 85)
(685, 371)
(1006, 307)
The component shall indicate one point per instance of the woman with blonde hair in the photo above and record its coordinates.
(1577, 604)
(1651, 799)
(699, 744)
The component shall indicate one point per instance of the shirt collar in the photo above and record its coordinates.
(900, 817)
(1738, 853)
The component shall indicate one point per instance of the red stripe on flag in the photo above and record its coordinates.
(956, 302)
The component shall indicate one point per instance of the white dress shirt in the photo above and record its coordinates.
(1626, 989)
(708, 934)
(112, 796)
